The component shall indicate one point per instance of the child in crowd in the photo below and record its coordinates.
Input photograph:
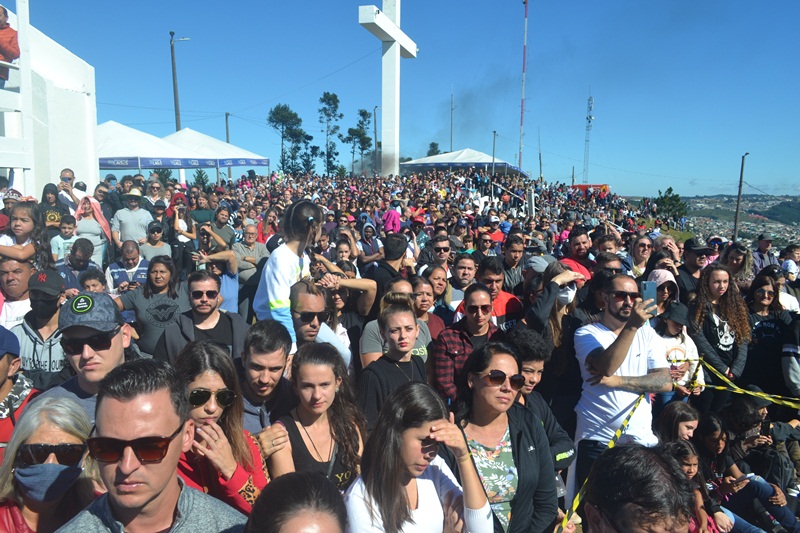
(61, 244)
(26, 236)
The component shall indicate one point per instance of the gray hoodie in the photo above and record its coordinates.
(42, 359)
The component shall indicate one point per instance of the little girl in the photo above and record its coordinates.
(730, 484)
(704, 507)
(26, 236)
(682, 356)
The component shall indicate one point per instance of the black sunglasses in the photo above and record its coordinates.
(97, 343)
(211, 295)
(496, 378)
(146, 449)
(156, 230)
(36, 454)
(308, 317)
(621, 296)
(224, 397)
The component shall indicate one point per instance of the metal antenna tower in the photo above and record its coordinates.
(589, 120)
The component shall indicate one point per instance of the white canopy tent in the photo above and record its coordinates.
(460, 159)
(120, 146)
(226, 154)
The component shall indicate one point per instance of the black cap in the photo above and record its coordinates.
(765, 236)
(677, 312)
(155, 224)
(759, 402)
(49, 282)
(696, 244)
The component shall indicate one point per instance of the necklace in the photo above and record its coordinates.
(404, 372)
(330, 450)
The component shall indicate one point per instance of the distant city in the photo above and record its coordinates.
(776, 215)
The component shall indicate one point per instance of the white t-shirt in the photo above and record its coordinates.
(13, 313)
(432, 487)
(601, 410)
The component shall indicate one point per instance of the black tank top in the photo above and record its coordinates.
(305, 462)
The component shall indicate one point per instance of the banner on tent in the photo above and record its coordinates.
(243, 162)
(107, 163)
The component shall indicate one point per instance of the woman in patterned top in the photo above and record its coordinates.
(225, 460)
(507, 442)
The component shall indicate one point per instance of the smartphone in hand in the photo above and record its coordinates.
(649, 291)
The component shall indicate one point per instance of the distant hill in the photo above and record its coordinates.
(787, 212)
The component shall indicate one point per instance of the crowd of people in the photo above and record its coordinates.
(414, 354)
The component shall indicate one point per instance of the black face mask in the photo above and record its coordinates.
(45, 308)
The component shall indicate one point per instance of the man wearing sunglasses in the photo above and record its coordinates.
(94, 338)
(142, 427)
(205, 321)
(695, 253)
(309, 317)
(619, 361)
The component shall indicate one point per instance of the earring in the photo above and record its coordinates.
(336, 390)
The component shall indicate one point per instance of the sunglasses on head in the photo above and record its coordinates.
(496, 378)
(308, 317)
(146, 449)
(211, 295)
(37, 454)
(97, 343)
(621, 296)
(224, 397)
(484, 309)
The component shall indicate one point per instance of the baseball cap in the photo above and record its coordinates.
(95, 310)
(159, 204)
(12, 194)
(539, 245)
(9, 343)
(536, 263)
(494, 218)
(677, 312)
(758, 402)
(696, 244)
(111, 177)
(351, 218)
(49, 282)
(417, 220)
(790, 267)
(155, 224)
(761, 236)
(462, 222)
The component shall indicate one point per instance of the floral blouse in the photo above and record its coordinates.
(498, 474)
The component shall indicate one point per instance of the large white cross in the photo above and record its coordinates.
(385, 25)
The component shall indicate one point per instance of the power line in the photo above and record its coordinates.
(759, 190)
(311, 83)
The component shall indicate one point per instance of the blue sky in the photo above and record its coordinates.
(682, 88)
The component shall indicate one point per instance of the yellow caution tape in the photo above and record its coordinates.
(774, 398)
(613, 442)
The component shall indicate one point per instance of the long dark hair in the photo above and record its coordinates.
(172, 285)
(672, 416)
(730, 307)
(42, 256)
(300, 222)
(409, 406)
(343, 413)
(760, 282)
(683, 449)
(477, 362)
(205, 356)
(709, 424)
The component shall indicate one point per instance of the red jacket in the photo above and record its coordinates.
(9, 48)
(240, 491)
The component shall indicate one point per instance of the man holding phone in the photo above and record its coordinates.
(68, 195)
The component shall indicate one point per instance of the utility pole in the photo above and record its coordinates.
(172, 40)
(524, 70)
(739, 201)
(375, 127)
(494, 148)
(452, 109)
(228, 139)
(541, 175)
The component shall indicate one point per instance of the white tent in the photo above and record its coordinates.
(120, 146)
(459, 159)
(209, 146)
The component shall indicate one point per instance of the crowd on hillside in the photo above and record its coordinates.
(419, 353)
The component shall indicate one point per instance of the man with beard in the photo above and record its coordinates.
(39, 339)
(463, 276)
(619, 361)
(204, 322)
(578, 260)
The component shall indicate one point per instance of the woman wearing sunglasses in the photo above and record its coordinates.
(640, 251)
(157, 304)
(326, 428)
(506, 442)
(225, 460)
(43, 483)
(769, 325)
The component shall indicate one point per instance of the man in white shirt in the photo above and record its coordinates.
(14, 276)
(67, 194)
(619, 361)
